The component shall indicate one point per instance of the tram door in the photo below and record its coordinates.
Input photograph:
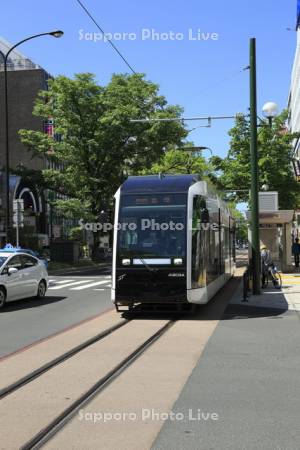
(200, 225)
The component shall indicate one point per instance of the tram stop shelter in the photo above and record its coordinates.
(275, 230)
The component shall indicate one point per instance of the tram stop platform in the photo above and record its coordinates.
(244, 391)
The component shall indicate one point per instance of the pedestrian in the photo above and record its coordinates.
(266, 262)
(296, 252)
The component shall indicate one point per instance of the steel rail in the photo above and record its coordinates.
(60, 359)
(62, 419)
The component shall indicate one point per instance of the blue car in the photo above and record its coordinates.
(10, 248)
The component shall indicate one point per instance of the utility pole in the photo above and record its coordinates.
(256, 263)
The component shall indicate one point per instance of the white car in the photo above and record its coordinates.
(21, 276)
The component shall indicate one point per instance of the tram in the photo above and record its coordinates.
(174, 241)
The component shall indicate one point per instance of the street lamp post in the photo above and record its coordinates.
(270, 110)
(56, 34)
(254, 172)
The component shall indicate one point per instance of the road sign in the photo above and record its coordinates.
(18, 217)
(18, 205)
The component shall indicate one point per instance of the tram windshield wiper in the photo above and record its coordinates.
(146, 265)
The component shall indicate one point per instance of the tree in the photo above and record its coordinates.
(241, 223)
(275, 152)
(95, 143)
(179, 161)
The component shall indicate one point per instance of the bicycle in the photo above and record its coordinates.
(272, 273)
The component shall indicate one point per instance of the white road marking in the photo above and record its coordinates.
(62, 286)
(88, 286)
(61, 281)
(99, 289)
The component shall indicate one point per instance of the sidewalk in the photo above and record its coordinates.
(74, 269)
(286, 299)
(248, 375)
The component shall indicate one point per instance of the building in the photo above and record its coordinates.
(275, 229)
(294, 111)
(294, 101)
(25, 80)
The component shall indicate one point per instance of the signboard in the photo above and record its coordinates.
(56, 231)
(18, 205)
(21, 225)
(49, 127)
(270, 225)
(30, 221)
(296, 165)
(18, 217)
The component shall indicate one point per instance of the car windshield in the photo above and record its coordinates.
(152, 226)
(2, 260)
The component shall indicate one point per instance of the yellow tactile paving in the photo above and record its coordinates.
(292, 279)
(289, 276)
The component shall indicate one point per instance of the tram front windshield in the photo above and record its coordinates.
(152, 226)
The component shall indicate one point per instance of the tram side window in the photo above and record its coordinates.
(225, 233)
(213, 259)
(222, 248)
(227, 240)
(200, 216)
(232, 241)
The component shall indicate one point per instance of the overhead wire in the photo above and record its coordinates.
(105, 35)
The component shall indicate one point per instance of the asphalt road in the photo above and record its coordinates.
(71, 298)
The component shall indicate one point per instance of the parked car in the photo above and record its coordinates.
(9, 248)
(21, 276)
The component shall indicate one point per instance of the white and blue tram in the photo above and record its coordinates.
(173, 241)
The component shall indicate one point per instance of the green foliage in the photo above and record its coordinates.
(98, 145)
(179, 162)
(275, 158)
(241, 223)
(76, 234)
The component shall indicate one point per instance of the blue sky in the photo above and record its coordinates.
(205, 77)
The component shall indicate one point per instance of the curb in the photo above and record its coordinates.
(77, 269)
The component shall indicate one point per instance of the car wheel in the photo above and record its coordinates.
(41, 289)
(2, 297)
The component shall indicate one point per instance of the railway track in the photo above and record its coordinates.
(44, 435)
(33, 389)
(60, 359)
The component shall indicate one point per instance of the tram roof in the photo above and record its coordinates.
(156, 183)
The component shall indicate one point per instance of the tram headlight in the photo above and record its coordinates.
(126, 262)
(178, 261)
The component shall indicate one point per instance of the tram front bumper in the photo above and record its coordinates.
(140, 286)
